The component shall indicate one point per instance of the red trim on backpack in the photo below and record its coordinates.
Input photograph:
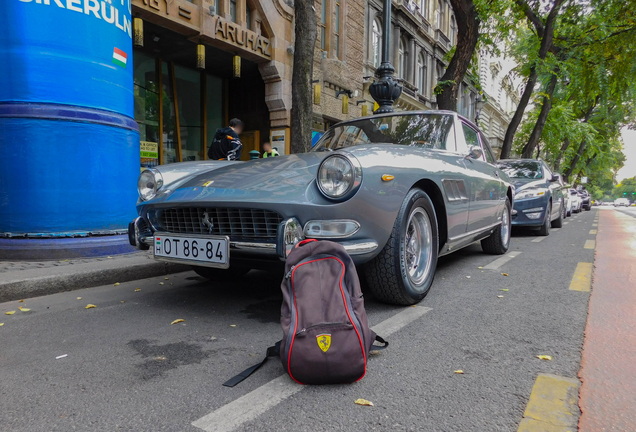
(344, 300)
(304, 242)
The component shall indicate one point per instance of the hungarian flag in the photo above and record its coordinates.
(119, 57)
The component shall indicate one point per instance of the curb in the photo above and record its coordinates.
(23, 284)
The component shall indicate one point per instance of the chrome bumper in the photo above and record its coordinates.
(140, 236)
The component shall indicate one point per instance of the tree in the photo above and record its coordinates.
(306, 31)
(468, 22)
(544, 29)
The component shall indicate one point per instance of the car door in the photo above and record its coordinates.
(485, 184)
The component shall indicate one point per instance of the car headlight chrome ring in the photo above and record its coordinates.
(339, 176)
(149, 183)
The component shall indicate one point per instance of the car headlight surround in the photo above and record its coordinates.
(529, 193)
(149, 183)
(339, 176)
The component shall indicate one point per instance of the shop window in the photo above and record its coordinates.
(189, 98)
(214, 107)
(376, 42)
(146, 94)
(169, 139)
(233, 10)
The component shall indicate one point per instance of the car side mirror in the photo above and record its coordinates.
(475, 152)
(555, 178)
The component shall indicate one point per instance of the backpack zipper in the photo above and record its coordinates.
(329, 324)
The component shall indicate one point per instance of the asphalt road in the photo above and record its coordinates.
(128, 369)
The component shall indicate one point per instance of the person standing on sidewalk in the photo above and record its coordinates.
(268, 151)
(226, 144)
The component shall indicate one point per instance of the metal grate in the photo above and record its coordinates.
(238, 223)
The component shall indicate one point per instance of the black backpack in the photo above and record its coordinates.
(326, 337)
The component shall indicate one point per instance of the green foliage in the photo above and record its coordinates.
(439, 88)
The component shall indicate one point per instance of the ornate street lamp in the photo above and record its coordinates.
(385, 90)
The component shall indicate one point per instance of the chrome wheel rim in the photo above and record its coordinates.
(505, 227)
(418, 246)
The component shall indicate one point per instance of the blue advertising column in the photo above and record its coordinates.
(69, 146)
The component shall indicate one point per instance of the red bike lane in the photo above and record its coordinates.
(608, 364)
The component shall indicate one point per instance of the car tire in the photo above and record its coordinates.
(499, 241)
(545, 228)
(393, 276)
(558, 223)
(220, 275)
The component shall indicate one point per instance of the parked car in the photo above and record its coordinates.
(586, 200)
(538, 200)
(621, 202)
(567, 198)
(395, 190)
(576, 201)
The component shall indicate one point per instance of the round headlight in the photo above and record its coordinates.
(149, 183)
(339, 175)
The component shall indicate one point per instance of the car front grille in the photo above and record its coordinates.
(238, 223)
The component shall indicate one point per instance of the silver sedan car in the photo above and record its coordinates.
(397, 191)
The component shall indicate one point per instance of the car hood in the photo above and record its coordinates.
(262, 180)
(523, 184)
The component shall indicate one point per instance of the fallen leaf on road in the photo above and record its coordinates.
(123, 301)
(160, 283)
(20, 301)
(166, 278)
(90, 306)
(459, 371)
(60, 356)
(79, 298)
(504, 274)
(9, 313)
(480, 267)
(232, 325)
(177, 321)
(116, 284)
(544, 357)
(25, 309)
(109, 257)
(500, 296)
(363, 402)
(137, 289)
(504, 289)
(467, 277)
(1, 324)
(64, 260)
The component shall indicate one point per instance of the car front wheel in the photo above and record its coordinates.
(403, 271)
(499, 241)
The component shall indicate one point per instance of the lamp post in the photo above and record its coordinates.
(385, 89)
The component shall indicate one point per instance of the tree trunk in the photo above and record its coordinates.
(546, 34)
(564, 147)
(575, 160)
(302, 75)
(468, 23)
(535, 136)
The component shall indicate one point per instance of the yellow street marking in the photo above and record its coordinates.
(589, 244)
(592, 232)
(595, 224)
(582, 279)
(553, 405)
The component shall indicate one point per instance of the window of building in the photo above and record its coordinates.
(421, 74)
(248, 17)
(424, 8)
(233, 10)
(440, 15)
(217, 7)
(453, 30)
(402, 60)
(337, 27)
(376, 42)
(323, 26)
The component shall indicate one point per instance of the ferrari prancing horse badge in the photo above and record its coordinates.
(324, 341)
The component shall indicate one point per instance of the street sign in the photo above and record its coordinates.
(584, 180)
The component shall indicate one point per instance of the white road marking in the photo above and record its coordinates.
(538, 239)
(253, 404)
(555, 229)
(501, 261)
(565, 223)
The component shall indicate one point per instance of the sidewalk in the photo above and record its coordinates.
(608, 393)
(24, 279)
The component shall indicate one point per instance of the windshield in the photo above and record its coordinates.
(431, 131)
(522, 169)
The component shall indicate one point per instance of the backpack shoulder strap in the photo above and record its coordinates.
(273, 351)
(378, 347)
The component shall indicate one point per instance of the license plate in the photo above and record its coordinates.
(211, 251)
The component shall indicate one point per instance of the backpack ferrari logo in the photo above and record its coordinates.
(324, 341)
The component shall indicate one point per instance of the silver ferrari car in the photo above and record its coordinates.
(397, 191)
